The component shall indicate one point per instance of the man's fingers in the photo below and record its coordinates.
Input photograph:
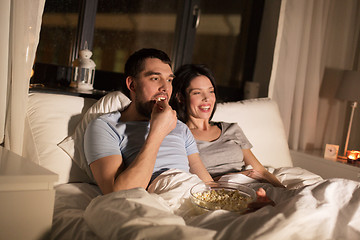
(162, 103)
(159, 105)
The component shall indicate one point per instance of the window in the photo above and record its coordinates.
(58, 32)
(222, 34)
(226, 41)
(122, 27)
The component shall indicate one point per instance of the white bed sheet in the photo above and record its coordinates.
(310, 208)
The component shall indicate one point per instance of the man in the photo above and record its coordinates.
(128, 149)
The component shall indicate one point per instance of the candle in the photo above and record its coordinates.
(353, 155)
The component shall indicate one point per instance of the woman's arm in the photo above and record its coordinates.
(197, 167)
(260, 171)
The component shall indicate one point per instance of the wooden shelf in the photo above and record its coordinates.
(97, 94)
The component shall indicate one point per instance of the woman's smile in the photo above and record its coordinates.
(205, 108)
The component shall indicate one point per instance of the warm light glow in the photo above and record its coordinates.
(353, 155)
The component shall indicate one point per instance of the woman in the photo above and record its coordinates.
(223, 147)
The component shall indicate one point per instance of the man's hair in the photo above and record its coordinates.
(183, 76)
(135, 63)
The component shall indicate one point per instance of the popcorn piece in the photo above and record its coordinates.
(161, 99)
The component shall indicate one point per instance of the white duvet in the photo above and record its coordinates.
(310, 208)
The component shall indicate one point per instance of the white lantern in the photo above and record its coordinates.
(83, 71)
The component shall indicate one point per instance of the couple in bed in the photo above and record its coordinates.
(129, 149)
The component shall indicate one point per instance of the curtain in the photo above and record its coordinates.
(316, 40)
(20, 29)
(4, 49)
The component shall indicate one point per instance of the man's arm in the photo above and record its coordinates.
(109, 172)
(197, 167)
(111, 176)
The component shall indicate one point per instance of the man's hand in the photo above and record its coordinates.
(163, 118)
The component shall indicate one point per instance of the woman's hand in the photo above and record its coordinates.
(254, 174)
(261, 201)
(262, 173)
(264, 176)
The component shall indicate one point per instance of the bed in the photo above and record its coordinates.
(309, 208)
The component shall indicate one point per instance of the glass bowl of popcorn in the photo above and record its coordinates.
(217, 195)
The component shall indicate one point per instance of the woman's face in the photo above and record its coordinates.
(201, 97)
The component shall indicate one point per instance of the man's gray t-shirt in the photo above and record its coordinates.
(224, 154)
(107, 135)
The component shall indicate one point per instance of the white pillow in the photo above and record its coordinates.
(51, 118)
(261, 123)
(73, 145)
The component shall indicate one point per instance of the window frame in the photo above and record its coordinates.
(185, 32)
(85, 27)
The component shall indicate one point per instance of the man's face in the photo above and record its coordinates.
(152, 84)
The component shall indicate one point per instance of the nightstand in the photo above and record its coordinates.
(26, 198)
(315, 162)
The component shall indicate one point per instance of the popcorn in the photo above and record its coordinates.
(161, 99)
(223, 199)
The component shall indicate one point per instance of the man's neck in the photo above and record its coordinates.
(131, 114)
